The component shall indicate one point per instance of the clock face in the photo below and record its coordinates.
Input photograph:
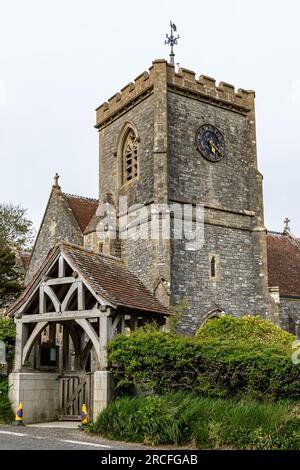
(210, 143)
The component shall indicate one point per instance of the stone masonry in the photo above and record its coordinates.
(166, 109)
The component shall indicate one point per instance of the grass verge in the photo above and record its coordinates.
(183, 419)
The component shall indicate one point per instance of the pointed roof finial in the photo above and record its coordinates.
(172, 41)
(287, 221)
(56, 178)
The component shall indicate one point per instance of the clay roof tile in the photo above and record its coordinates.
(82, 208)
(284, 263)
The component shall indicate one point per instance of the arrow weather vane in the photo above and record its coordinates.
(172, 41)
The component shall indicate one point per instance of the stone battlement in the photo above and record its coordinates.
(207, 88)
(184, 81)
(142, 84)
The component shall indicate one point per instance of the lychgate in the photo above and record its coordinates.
(75, 304)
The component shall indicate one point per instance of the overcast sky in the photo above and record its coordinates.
(60, 59)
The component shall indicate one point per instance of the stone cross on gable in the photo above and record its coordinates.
(56, 178)
(287, 221)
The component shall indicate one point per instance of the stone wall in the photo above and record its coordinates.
(140, 190)
(58, 224)
(231, 193)
(237, 288)
(39, 393)
(225, 183)
(289, 314)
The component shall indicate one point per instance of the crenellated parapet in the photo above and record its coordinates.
(129, 94)
(185, 82)
(206, 88)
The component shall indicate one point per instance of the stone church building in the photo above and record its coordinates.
(168, 139)
(255, 272)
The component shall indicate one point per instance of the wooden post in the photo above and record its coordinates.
(123, 324)
(81, 296)
(61, 267)
(52, 334)
(105, 334)
(65, 351)
(42, 301)
(133, 322)
(21, 337)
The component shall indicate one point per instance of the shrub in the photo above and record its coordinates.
(164, 363)
(210, 424)
(6, 413)
(248, 329)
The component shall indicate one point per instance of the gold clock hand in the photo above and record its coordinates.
(215, 149)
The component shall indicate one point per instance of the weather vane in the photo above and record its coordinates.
(172, 41)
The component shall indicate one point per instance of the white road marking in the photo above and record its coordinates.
(82, 443)
(14, 433)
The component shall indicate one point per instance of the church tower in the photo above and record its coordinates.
(171, 139)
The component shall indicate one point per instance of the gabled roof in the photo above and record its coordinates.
(284, 263)
(83, 209)
(105, 275)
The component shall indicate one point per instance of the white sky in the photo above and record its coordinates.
(60, 59)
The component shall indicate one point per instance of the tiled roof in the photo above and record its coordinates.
(284, 263)
(82, 208)
(109, 277)
(106, 275)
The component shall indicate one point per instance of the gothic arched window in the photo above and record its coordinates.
(130, 157)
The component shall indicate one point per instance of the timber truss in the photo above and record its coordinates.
(61, 295)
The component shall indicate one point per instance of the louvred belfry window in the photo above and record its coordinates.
(130, 157)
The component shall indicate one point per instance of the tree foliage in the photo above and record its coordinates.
(8, 336)
(16, 230)
(10, 282)
(16, 234)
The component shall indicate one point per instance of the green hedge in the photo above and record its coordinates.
(246, 328)
(163, 362)
(203, 423)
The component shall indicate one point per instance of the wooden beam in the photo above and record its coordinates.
(61, 267)
(81, 296)
(87, 327)
(105, 334)
(68, 296)
(66, 347)
(60, 280)
(21, 337)
(115, 323)
(53, 298)
(54, 316)
(42, 300)
(33, 337)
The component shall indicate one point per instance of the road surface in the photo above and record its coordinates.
(41, 438)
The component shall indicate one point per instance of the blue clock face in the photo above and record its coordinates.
(210, 143)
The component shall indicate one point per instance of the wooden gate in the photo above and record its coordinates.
(74, 391)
